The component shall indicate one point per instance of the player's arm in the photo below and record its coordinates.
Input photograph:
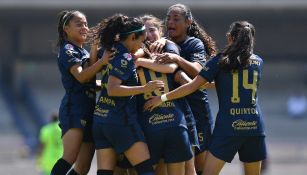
(181, 91)
(182, 78)
(115, 87)
(152, 65)
(84, 75)
(191, 68)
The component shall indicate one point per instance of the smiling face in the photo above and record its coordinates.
(177, 24)
(153, 31)
(77, 29)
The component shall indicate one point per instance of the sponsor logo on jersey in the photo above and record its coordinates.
(161, 118)
(244, 125)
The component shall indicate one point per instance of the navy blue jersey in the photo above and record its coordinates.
(168, 114)
(118, 110)
(79, 98)
(239, 113)
(171, 47)
(193, 50)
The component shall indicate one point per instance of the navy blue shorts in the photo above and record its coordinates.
(192, 131)
(249, 148)
(118, 137)
(77, 121)
(171, 144)
(204, 134)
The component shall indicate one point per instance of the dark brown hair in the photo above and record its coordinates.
(116, 28)
(237, 52)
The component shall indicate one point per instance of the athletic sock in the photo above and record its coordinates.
(61, 167)
(144, 168)
(104, 172)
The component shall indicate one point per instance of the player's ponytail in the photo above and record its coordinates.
(198, 32)
(239, 50)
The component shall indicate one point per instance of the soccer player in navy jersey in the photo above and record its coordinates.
(196, 46)
(239, 124)
(165, 128)
(78, 72)
(115, 126)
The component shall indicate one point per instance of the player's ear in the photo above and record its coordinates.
(133, 37)
(66, 29)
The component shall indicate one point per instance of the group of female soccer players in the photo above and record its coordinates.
(152, 115)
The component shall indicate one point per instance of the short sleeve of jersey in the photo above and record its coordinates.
(198, 54)
(122, 66)
(69, 57)
(210, 69)
(171, 47)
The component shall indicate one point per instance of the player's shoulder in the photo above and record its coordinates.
(68, 49)
(192, 41)
(194, 44)
(171, 47)
(256, 59)
(122, 57)
(121, 52)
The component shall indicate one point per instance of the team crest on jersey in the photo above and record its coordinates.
(69, 47)
(128, 56)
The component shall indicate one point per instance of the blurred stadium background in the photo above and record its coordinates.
(30, 87)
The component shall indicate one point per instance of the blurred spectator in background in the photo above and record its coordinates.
(50, 148)
(297, 105)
